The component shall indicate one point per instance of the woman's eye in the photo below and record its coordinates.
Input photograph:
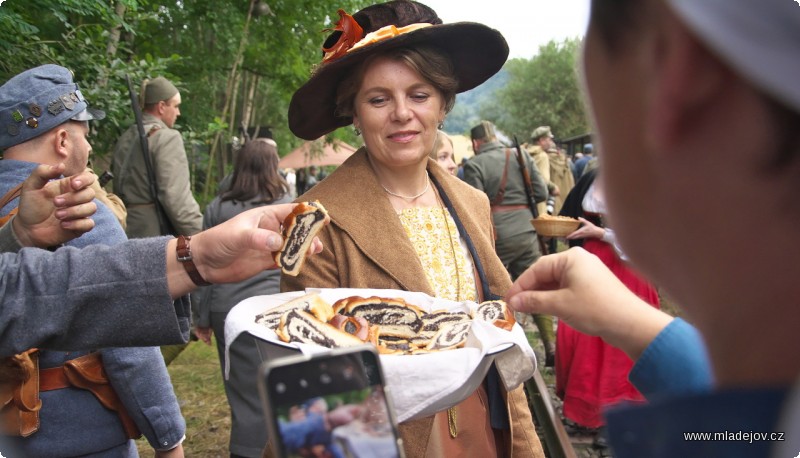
(378, 101)
(420, 97)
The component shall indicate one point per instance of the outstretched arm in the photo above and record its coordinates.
(578, 288)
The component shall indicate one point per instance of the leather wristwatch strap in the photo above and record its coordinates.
(184, 252)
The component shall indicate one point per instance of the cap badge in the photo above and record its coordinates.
(35, 109)
(55, 107)
(68, 103)
(32, 122)
(17, 116)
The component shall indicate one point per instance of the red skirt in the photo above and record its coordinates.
(590, 374)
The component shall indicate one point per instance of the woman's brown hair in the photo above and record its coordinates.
(255, 174)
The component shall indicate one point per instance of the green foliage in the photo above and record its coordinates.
(194, 43)
(540, 91)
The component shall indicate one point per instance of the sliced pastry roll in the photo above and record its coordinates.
(302, 327)
(299, 230)
(394, 316)
(311, 303)
(497, 313)
(450, 336)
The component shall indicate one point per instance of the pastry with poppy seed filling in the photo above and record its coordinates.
(299, 230)
(497, 313)
(450, 336)
(394, 316)
(311, 303)
(302, 327)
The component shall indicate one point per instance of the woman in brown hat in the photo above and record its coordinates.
(398, 220)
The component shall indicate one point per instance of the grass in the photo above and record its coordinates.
(197, 380)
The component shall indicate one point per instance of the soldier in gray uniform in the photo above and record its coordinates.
(161, 101)
(499, 176)
(82, 413)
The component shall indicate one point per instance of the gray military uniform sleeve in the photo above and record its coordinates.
(98, 296)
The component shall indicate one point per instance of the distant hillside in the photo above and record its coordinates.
(465, 114)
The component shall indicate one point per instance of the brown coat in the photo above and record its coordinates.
(367, 247)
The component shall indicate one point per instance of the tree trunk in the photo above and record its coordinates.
(113, 38)
(229, 92)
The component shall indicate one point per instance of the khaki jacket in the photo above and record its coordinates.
(367, 247)
(112, 201)
(561, 176)
(171, 169)
(542, 162)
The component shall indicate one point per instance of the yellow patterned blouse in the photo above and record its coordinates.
(445, 258)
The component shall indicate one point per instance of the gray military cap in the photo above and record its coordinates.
(540, 132)
(483, 131)
(158, 89)
(38, 100)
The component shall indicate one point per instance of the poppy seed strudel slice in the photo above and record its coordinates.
(497, 313)
(394, 316)
(299, 230)
(299, 326)
(311, 303)
(450, 336)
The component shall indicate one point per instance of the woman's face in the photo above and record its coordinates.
(445, 157)
(398, 113)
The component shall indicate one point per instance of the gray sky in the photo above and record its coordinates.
(525, 24)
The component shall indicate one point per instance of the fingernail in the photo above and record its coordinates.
(61, 214)
(274, 242)
(59, 201)
(514, 302)
(77, 183)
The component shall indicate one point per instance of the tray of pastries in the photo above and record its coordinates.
(416, 335)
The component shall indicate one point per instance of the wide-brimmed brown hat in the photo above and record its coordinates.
(477, 53)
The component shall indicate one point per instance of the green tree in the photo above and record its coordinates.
(235, 61)
(542, 90)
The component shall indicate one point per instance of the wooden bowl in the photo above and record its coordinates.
(555, 226)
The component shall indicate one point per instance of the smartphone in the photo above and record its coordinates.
(329, 405)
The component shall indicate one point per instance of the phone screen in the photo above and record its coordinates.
(332, 406)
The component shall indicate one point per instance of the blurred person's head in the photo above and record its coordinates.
(255, 174)
(679, 157)
(444, 154)
(481, 134)
(543, 137)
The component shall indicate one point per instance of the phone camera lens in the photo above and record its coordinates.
(348, 372)
(303, 383)
(280, 388)
(325, 378)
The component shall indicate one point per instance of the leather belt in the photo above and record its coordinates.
(507, 208)
(53, 379)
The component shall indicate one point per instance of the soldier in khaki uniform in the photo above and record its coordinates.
(541, 143)
(560, 175)
(161, 107)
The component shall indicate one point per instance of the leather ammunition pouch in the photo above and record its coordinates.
(19, 385)
(85, 372)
